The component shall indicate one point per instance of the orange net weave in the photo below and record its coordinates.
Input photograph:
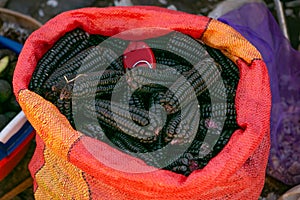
(67, 164)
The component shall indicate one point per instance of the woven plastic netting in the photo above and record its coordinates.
(88, 147)
(283, 64)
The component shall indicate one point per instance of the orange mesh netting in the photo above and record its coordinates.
(67, 164)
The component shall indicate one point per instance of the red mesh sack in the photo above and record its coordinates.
(70, 165)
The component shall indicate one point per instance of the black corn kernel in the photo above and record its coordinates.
(80, 78)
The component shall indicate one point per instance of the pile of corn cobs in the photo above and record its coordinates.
(142, 110)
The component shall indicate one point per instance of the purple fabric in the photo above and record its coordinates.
(256, 23)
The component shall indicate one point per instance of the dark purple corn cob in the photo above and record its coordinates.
(155, 110)
(51, 59)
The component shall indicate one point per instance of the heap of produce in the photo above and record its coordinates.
(8, 104)
(9, 107)
(81, 76)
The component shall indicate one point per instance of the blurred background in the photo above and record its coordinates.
(44, 10)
